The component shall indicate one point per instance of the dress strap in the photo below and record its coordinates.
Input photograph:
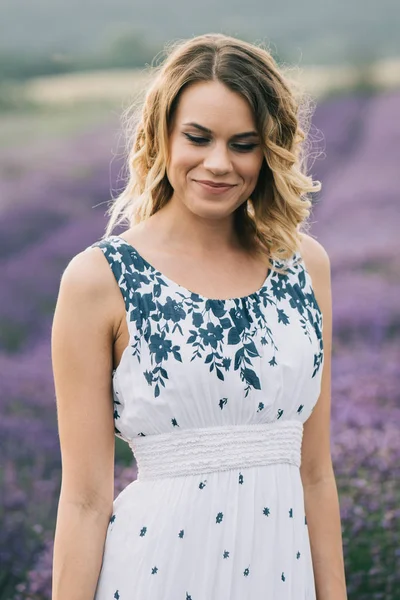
(305, 282)
(121, 263)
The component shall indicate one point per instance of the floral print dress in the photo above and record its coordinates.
(211, 396)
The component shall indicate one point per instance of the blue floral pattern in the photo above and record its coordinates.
(158, 316)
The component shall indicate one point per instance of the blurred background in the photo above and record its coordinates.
(67, 71)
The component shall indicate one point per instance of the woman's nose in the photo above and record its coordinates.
(217, 159)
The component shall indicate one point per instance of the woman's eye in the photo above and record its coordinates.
(245, 147)
(202, 140)
(196, 139)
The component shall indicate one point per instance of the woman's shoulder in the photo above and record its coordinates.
(87, 270)
(314, 255)
(88, 281)
(317, 264)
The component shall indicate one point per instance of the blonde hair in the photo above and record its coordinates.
(269, 222)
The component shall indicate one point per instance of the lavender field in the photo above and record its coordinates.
(53, 198)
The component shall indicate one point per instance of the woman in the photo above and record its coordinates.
(199, 341)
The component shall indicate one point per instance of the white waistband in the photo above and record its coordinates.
(204, 450)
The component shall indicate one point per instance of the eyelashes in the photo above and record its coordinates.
(202, 141)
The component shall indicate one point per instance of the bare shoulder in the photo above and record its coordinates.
(87, 271)
(88, 280)
(314, 254)
(318, 265)
(316, 259)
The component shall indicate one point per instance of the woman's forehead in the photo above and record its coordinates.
(212, 104)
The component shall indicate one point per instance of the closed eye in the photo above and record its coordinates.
(201, 141)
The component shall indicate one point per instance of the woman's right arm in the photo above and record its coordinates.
(83, 330)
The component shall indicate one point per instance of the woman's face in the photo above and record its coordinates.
(213, 138)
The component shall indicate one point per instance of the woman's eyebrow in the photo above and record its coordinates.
(245, 134)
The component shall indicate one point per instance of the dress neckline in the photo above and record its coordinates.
(180, 287)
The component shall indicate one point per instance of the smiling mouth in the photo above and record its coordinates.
(215, 185)
(214, 190)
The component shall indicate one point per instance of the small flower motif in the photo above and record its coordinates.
(260, 406)
(172, 310)
(240, 478)
(202, 484)
(222, 402)
(291, 513)
(298, 555)
(154, 570)
(181, 533)
(283, 577)
(112, 519)
(143, 531)
(300, 409)
(160, 347)
(219, 518)
(116, 595)
(211, 335)
(280, 413)
(246, 572)
(277, 288)
(226, 363)
(266, 511)
(225, 554)
(174, 422)
(148, 375)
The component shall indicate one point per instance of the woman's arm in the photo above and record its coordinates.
(78, 551)
(324, 525)
(320, 490)
(82, 339)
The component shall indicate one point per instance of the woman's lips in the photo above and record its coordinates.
(214, 189)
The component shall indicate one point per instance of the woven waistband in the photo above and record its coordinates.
(205, 450)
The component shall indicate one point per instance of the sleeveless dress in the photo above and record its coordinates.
(211, 396)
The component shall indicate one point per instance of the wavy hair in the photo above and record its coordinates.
(269, 221)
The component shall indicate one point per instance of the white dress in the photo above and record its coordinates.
(211, 395)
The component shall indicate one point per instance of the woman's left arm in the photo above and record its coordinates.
(319, 483)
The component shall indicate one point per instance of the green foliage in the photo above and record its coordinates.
(127, 50)
(123, 453)
(20, 66)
